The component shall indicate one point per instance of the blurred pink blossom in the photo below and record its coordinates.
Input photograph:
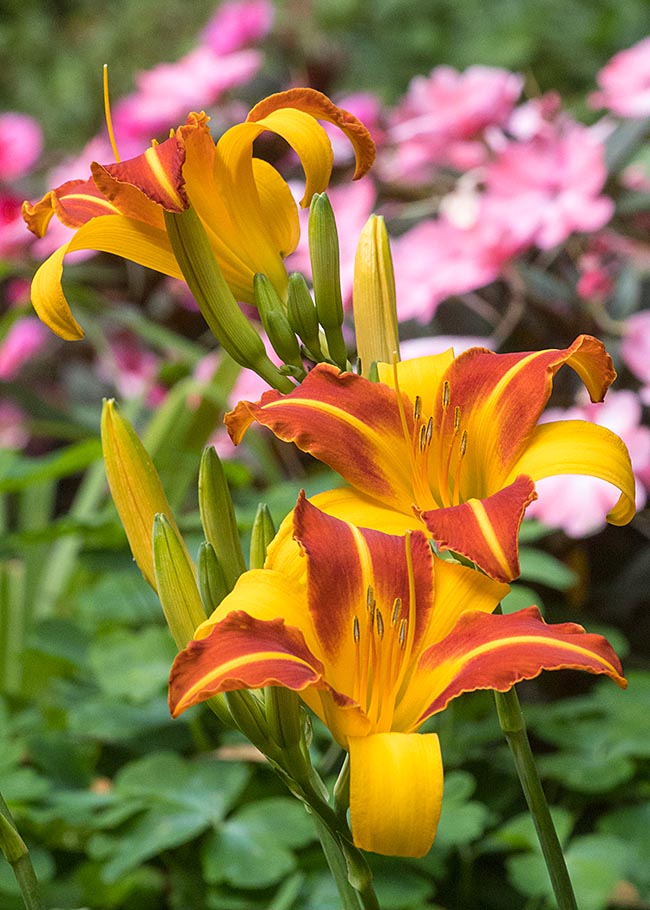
(595, 281)
(14, 236)
(352, 205)
(131, 369)
(442, 118)
(624, 82)
(21, 142)
(549, 186)
(26, 337)
(437, 259)
(368, 109)
(635, 349)
(168, 92)
(14, 433)
(236, 24)
(578, 504)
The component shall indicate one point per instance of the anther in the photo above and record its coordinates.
(456, 419)
(417, 408)
(463, 443)
(356, 632)
(380, 624)
(401, 635)
(370, 597)
(429, 435)
(446, 394)
(397, 609)
(423, 437)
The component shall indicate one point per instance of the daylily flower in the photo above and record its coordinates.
(455, 447)
(245, 207)
(377, 635)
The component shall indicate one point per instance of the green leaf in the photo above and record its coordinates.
(546, 569)
(19, 473)
(462, 820)
(133, 665)
(520, 596)
(253, 848)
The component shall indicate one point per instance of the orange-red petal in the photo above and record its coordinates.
(242, 653)
(485, 531)
(490, 651)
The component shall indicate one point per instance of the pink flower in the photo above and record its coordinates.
(352, 205)
(635, 349)
(443, 116)
(132, 369)
(21, 142)
(549, 186)
(13, 235)
(437, 259)
(14, 433)
(625, 82)
(167, 92)
(26, 337)
(579, 504)
(236, 24)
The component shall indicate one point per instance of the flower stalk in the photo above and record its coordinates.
(16, 853)
(513, 725)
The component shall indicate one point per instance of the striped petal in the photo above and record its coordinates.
(494, 652)
(351, 424)
(156, 176)
(396, 784)
(242, 653)
(500, 398)
(485, 531)
(579, 447)
(74, 203)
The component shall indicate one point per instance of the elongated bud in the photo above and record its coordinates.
(212, 582)
(176, 582)
(135, 486)
(276, 324)
(215, 299)
(324, 255)
(303, 319)
(262, 534)
(218, 517)
(284, 716)
(375, 310)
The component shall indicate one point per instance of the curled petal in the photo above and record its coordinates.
(242, 653)
(396, 784)
(494, 652)
(485, 531)
(579, 447)
(74, 203)
(319, 106)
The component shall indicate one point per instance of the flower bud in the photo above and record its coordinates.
(218, 517)
(176, 582)
(274, 319)
(262, 534)
(215, 299)
(375, 311)
(325, 268)
(212, 582)
(135, 486)
(302, 316)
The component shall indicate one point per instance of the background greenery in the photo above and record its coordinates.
(122, 807)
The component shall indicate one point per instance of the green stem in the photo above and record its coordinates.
(337, 865)
(513, 725)
(17, 855)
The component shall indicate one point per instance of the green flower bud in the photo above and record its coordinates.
(212, 582)
(324, 255)
(218, 517)
(262, 534)
(303, 319)
(176, 582)
(274, 319)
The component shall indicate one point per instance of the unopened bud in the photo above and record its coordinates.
(325, 268)
(373, 296)
(262, 534)
(176, 582)
(218, 517)
(212, 582)
(303, 319)
(275, 321)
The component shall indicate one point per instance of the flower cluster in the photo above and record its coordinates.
(378, 601)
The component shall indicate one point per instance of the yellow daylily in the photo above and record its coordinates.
(244, 205)
(376, 634)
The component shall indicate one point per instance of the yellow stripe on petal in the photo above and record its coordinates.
(396, 784)
(579, 447)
